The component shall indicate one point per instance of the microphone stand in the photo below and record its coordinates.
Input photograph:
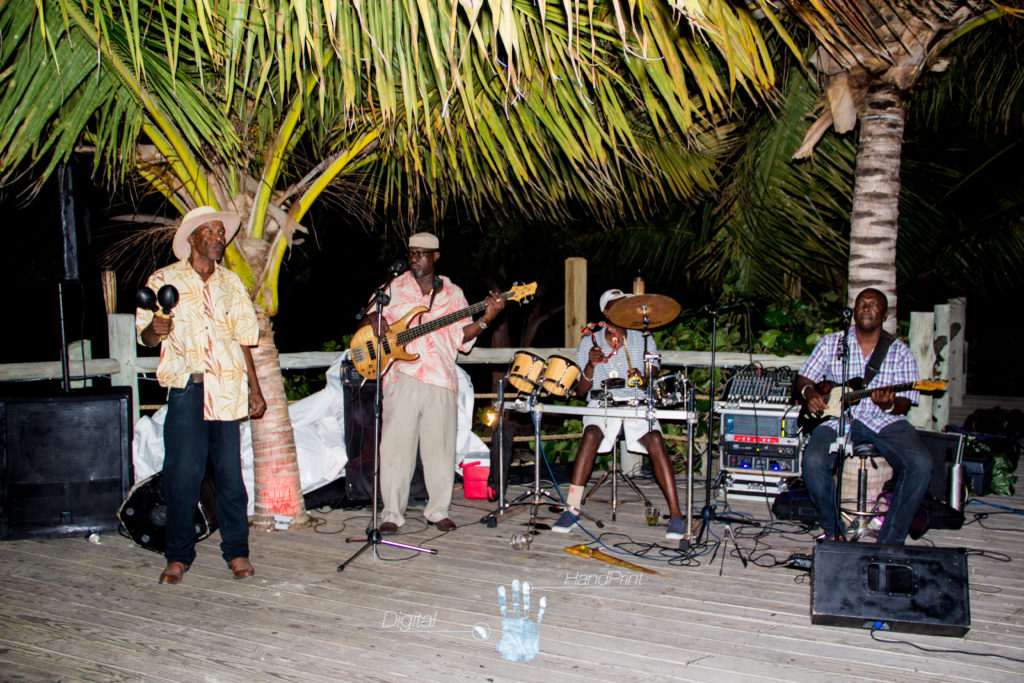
(707, 513)
(841, 445)
(373, 537)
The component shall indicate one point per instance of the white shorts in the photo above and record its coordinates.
(634, 428)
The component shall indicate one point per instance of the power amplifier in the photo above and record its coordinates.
(755, 485)
(759, 441)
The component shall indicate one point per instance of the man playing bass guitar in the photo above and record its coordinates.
(420, 395)
(881, 420)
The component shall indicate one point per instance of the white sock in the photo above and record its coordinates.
(575, 498)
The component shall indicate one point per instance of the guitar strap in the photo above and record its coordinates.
(877, 356)
(436, 287)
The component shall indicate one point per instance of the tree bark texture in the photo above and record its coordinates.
(876, 192)
(276, 470)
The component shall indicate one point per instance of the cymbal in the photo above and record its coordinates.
(629, 311)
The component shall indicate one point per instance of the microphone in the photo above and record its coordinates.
(398, 267)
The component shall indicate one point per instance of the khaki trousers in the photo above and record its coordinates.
(420, 414)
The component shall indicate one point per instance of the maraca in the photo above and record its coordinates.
(167, 297)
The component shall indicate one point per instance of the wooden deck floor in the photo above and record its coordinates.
(72, 610)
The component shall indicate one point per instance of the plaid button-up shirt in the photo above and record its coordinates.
(897, 368)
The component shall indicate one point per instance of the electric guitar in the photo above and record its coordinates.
(364, 341)
(854, 392)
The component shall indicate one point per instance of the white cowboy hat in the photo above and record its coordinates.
(198, 216)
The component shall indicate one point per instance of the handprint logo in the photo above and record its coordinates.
(520, 639)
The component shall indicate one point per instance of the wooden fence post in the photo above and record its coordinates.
(943, 368)
(575, 299)
(957, 351)
(922, 345)
(121, 338)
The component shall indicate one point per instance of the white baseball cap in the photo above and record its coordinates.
(610, 296)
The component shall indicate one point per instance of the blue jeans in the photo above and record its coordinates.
(900, 446)
(189, 441)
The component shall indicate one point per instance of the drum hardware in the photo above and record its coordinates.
(613, 473)
(558, 376)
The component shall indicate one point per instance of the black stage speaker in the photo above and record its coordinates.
(65, 462)
(46, 246)
(359, 435)
(891, 587)
(143, 514)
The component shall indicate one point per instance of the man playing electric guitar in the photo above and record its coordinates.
(880, 420)
(420, 394)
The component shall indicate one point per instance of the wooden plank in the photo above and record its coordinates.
(97, 612)
(11, 372)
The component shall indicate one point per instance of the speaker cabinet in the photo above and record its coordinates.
(360, 396)
(891, 587)
(65, 462)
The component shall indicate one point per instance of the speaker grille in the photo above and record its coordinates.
(66, 463)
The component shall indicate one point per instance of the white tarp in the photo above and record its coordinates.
(319, 424)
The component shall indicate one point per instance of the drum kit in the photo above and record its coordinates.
(557, 376)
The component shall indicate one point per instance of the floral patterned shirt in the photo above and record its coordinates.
(437, 349)
(211, 322)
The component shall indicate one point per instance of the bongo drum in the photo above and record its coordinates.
(526, 371)
(561, 376)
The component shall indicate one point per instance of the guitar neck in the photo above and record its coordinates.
(407, 336)
(861, 393)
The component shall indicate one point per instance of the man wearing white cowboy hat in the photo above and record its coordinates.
(206, 364)
(615, 353)
(420, 396)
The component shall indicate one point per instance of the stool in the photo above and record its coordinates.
(613, 473)
(867, 483)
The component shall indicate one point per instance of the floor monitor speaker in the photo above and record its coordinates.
(65, 462)
(913, 589)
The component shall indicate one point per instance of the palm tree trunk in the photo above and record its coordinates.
(276, 469)
(876, 192)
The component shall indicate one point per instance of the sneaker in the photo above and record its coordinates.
(565, 523)
(676, 529)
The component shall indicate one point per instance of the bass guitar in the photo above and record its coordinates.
(364, 341)
(853, 393)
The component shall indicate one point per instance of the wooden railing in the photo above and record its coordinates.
(936, 338)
